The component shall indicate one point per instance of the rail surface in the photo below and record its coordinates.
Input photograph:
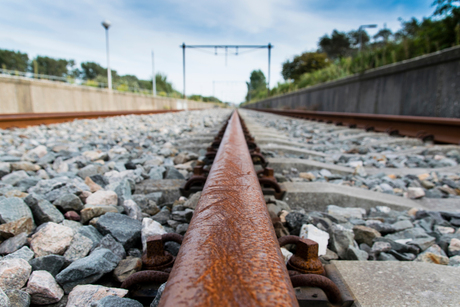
(443, 130)
(230, 255)
(30, 119)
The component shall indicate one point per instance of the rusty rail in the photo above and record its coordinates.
(30, 119)
(443, 130)
(230, 255)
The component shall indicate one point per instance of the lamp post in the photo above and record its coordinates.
(154, 85)
(106, 24)
(360, 30)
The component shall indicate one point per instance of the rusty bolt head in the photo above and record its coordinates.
(306, 258)
(155, 257)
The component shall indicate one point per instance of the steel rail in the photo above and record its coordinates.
(23, 120)
(443, 130)
(230, 255)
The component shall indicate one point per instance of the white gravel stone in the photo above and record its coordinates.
(107, 198)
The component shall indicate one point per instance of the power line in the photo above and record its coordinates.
(226, 47)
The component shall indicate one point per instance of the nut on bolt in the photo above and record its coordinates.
(155, 257)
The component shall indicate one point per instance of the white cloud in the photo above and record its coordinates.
(72, 29)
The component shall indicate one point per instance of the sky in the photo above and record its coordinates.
(73, 30)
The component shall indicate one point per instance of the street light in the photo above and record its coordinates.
(106, 24)
(360, 30)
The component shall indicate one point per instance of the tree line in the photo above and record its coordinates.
(338, 54)
(91, 74)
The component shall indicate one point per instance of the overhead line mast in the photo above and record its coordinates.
(225, 47)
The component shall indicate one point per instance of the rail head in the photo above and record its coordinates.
(230, 255)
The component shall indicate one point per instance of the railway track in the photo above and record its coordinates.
(31, 119)
(261, 196)
(442, 130)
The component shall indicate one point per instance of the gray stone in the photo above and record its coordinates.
(53, 189)
(156, 172)
(69, 202)
(168, 187)
(182, 216)
(172, 248)
(12, 209)
(454, 261)
(365, 234)
(340, 239)
(354, 253)
(51, 263)
(79, 248)
(294, 222)
(410, 233)
(379, 247)
(43, 211)
(182, 228)
(148, 203)
(92, 233)
(192, 202)
(399, 247)
(87, 270)
(14, 177)
(157, 298)
(5, 168)
(163, 216)
(115, 301)
(173, 173)
(402, 225)
(24, 253)
(132, 209)
(90, 170)
(402, 256)
(422, 243)
(123, 190)
(26, 184)
(13, 244)
(383, 256)
(110, 243)
(4, 299)
(124, 229)
(18, 298)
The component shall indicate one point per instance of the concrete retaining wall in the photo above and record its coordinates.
(23, 95)
(424, 86)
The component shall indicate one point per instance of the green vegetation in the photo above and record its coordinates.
(90, 74)
(338, 55)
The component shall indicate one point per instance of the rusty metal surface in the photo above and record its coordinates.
(30, 119)
(230, 255)
(444, 130)
(318, 281)
(305, 260)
